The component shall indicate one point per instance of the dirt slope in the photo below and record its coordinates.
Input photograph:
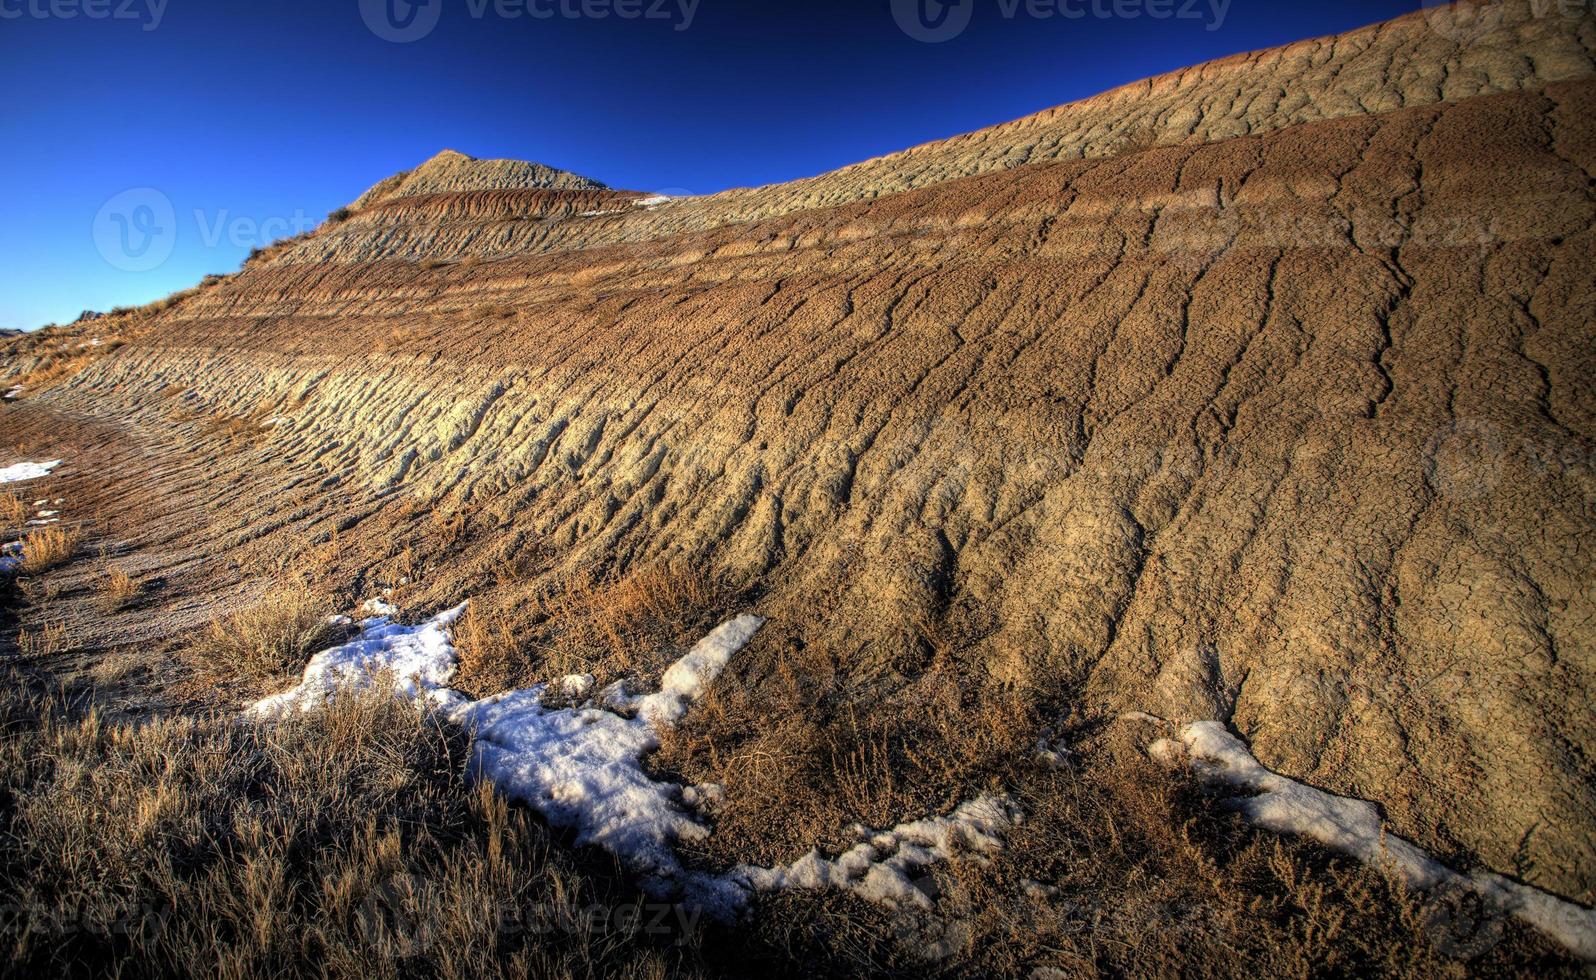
(1259, 392)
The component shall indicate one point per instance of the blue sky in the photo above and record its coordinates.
(253, 120)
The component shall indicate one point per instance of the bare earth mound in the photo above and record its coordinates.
(1260, 392)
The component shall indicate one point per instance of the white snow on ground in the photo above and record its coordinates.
(27, 471)
(380, 607)
(1354, 827)
(417, 660)
(879, 868)
(654, 201)
(582, 767)
(13, 393)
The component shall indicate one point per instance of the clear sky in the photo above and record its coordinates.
(252, 120)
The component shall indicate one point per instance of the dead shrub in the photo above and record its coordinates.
(233, 431)
(399, 339)
(49, 547)
(492, 654)
(13, 511)
(492, 311)
(269, 640)
(607, 623)
(119, 588)
(44, 641)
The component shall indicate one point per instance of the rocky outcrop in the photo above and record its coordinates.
(451, 172)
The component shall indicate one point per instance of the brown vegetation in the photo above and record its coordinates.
(13, 511)
(46, 640)
(120, 588)
(609, 625)
(271, 639)
(49, 547)
(346, 844)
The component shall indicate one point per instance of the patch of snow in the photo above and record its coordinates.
(1354, 827)
(577, 685)
(276, 420)
(706, 797)
(652, 201)
(14, 393)
(419, 660)
(48, 513)
(582, 768)
(27, 471)
(880, 866)
(688, 678)
(380, 607)
(45, 522)
(1053, 751)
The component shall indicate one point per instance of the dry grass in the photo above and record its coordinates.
(611, 626)
(13, 511)
(119, 588)
(343, 844)
(347, 843)
(49, 547)
(492, 649)
(45, 641)
(1121, 868)
(401, 339)
(620, 615)
(802, 755)
(269, 640)
(54, 367)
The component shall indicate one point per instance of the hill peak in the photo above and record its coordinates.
(450, 171)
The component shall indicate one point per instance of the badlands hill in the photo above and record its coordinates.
(1258, 392)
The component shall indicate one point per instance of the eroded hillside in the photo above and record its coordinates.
(1259, 392)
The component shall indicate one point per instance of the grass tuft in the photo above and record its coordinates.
(269, 640)
(119, 588)
(13, 511)
(49, 547)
